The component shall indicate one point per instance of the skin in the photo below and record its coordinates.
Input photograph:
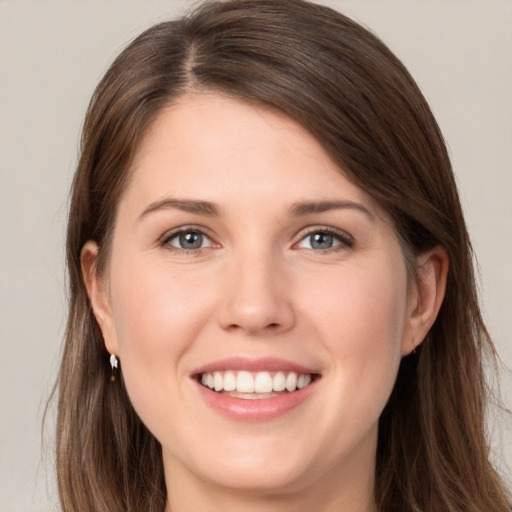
(257, 288)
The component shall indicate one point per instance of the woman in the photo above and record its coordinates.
(272, 298)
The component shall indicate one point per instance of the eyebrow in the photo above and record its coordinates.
(300, 209)
(186, 205)
(308, 208)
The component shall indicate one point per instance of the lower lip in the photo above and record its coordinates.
(255, 410)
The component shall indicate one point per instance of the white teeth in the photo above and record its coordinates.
(263, 383)
(279, 381)
(244, 382)
(229, 381)
(303, 381)
(258, 383)
(218, 381)
(291, 381)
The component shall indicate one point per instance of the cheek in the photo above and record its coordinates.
(357, 301)
(157, 315)
(360, 315)
(152, 304)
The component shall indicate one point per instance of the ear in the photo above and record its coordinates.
(425, 297)
(97, 290)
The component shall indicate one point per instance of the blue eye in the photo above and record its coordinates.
(189, 240)
(323, 240)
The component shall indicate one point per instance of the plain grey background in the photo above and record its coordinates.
(53, 53)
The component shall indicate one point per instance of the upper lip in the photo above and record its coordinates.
(261, 364)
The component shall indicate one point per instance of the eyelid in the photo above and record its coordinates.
(163, 241)
(346, 240)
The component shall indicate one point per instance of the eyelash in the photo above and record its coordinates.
(165, 240)
(345, 240)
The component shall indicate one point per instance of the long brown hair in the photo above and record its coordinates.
(347, 88)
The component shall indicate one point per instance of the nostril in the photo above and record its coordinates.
(255, 316)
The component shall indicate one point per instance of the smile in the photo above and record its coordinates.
(255, 389)
(255, 385)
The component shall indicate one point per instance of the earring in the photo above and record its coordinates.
(114, 362)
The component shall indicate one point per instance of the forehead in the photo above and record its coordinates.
(218, 147)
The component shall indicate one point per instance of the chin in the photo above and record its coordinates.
(246, 465)
(271, 477)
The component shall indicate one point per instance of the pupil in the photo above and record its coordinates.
(321, 241)
(191, 240)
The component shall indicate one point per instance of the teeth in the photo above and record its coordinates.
(255, 383)
(218, 381)
(263, 383)
(279, 382)
(229, 381)
(303, 381)
(244, 382)
(291, 381)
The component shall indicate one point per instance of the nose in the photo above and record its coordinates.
(257, 297)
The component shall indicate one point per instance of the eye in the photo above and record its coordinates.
(188, 240)
(323, 240)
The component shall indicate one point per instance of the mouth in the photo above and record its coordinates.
(255, 385)
(251, 390)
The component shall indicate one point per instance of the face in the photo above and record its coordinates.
(257, 300)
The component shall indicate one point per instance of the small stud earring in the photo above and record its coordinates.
(114, 362)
